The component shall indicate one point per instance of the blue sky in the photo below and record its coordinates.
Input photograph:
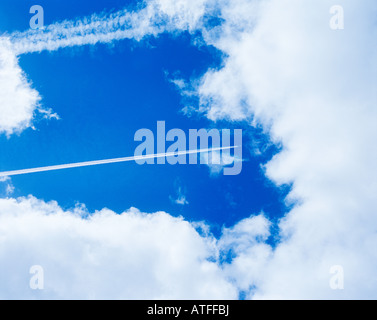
(103, 95)
(298, 78)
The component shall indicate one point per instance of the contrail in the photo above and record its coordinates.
(108, 161)
(98, 28)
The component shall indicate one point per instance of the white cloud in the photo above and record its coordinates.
(48, 114)
(86, 31)
(156, 17)
(314, 90)
(180, 198)
(245, 244)
(105, 255)
(18, 100)
(4, 179)
(9, 188)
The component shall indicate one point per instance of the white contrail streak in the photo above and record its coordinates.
(91, 30)
(108, 161)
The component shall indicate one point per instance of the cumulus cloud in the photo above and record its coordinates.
(18, 100)
(245, 252)
(313, 89)
(111, 256)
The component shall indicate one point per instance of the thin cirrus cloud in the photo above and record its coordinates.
(312, 89)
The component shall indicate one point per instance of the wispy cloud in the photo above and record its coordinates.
(8, 185)
(87, 31)
(180, 198)
(155, 17)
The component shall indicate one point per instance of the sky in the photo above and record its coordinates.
(103, 94)
(303, 94)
